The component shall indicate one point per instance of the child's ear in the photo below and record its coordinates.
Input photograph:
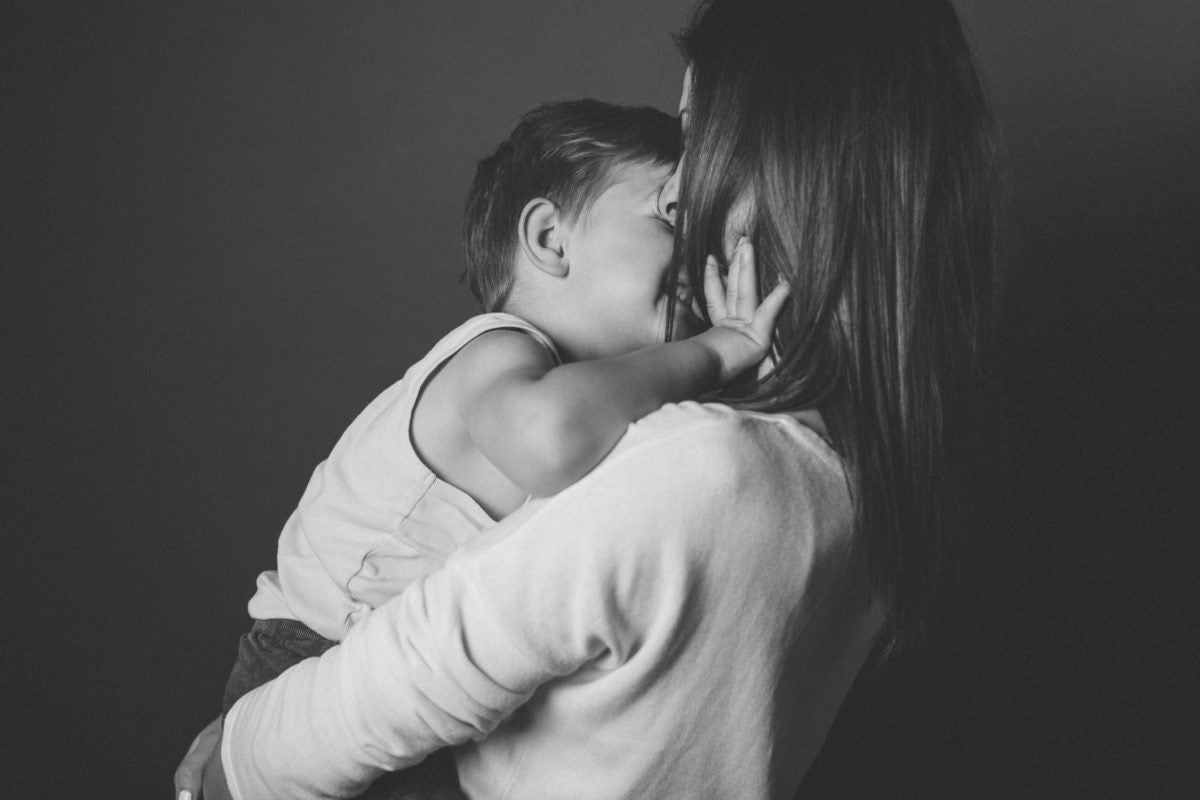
(543, 236)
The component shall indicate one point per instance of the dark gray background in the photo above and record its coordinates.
(225, 228)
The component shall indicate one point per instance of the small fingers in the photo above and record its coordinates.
(735, 297)
(714, 290)
(747, 280)
(768, 310)
(733, 281)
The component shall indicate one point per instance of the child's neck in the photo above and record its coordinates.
(562, 323)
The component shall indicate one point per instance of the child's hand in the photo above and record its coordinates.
(742, 327)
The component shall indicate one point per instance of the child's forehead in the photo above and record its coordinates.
(642, 168)
(626, 183)
(630, 175)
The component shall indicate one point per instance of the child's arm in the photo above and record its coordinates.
(545, 426)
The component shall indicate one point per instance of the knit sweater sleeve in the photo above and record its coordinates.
(578, 579)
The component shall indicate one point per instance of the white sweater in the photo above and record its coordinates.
(683, 622)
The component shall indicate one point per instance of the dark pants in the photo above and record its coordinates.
(272, 646)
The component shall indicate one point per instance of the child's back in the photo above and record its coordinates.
(375, 517)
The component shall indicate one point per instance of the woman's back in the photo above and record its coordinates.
(733, 623)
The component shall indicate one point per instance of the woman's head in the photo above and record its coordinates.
(858, 133)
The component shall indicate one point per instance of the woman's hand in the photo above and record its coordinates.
(742, 327)
(200, 774)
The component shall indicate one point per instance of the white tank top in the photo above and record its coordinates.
(374, 517)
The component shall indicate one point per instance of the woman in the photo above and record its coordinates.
(686, 620)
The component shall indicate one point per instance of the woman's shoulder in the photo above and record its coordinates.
(685, 476)
(715, 440)
(717, 422)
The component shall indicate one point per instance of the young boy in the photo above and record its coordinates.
(569, 231)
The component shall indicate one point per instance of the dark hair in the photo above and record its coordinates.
(566, 152)
(862, 133)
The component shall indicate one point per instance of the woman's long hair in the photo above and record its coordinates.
(862, 133)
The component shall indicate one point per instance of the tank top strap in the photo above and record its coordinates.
(478, 325)
(457, 339)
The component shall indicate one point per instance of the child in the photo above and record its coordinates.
(569, 231)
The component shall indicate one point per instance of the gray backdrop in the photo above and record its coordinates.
(225, 228)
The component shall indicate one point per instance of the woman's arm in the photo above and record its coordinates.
(580, 577)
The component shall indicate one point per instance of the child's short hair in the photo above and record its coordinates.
(565, 151)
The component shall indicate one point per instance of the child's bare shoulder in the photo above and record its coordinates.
(495, 355)
(472, 374)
